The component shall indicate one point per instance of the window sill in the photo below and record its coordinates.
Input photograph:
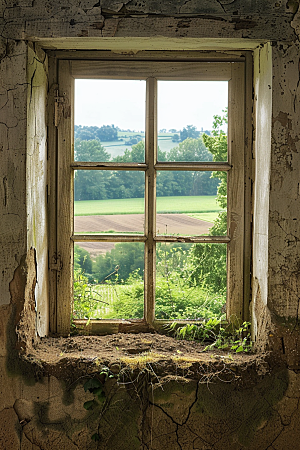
(163, 356)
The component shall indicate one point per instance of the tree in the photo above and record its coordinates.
(190, 150)
(90, 150)
(187, 182)
(107, 133)
(209, 260)
(123, 259)
(135, 154)
(90, 185)
(104, 133)
(82, 260)
(189, 132)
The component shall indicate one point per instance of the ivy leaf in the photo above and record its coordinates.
(92, 384)
(95, 437)
(97, 391)
(89, 404)
(239, 349)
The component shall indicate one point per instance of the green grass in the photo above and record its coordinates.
(128, 134)
(207, 216)
(205, 204)
(117, 148)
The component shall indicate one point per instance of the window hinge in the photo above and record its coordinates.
(56, 262)
(59, 106)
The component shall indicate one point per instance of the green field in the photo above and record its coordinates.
(116, 148)
(201, 207)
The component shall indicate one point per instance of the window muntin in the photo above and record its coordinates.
(231, 72)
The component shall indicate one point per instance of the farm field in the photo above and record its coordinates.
(116, 148)
(205, 204)
(134, 223)
(180, 224)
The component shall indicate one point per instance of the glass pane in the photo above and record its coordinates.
(108, 280)
(190, 281)
(186, 110)
(191, 203)
(110, 120)
(109, 201)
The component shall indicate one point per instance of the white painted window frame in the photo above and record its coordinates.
(237, 71)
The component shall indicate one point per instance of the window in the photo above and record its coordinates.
(151, 174)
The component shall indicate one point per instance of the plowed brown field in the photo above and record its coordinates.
(165, 224)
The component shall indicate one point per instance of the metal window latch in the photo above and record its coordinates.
(56, 262)
(59, 106)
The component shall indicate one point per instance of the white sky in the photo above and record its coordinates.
(122, 103)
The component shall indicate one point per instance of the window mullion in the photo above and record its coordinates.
(150, 197)
(65, 176)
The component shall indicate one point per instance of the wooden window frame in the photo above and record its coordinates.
(237, 71)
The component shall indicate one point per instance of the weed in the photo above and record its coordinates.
(222, 337)
(95, 387)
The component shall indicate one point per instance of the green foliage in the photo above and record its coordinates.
(90, 185)
(209, 266)
(117, 265)
(217, 145)
(177, 295)
(191, 279)
(226, 338)
(82, 260)
(104, 133)
(86, 298)
(91, 150)
(101, 185)
(209, 260)
(96, 387)
(129, 303)
(189, 132)
(185, 183)
(190, 150)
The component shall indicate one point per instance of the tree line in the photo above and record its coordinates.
(105, 133)
(102, 185)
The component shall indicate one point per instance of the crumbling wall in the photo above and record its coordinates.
(13, 100)
(43, 411)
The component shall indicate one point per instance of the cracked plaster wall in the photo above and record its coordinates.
(39, 414)
(13, 101)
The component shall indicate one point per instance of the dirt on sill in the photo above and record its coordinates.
(76, 356)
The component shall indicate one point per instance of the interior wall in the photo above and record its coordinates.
(43, 409)
(284, 245)
(13, 122)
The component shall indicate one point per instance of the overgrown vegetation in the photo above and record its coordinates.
(232, 337)
(96, 387)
